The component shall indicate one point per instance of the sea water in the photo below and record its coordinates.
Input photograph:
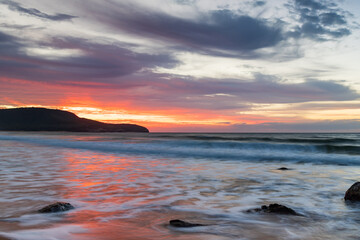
(128, 186)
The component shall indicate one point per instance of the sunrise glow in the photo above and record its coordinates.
(189, 66)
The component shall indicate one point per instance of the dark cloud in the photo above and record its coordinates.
(320, 20)
(311, 4)
(217, 33)
(115, 66)
(312, 30)
(165, 91)
(332, 18)
(9, 45)
(224, 32)
(264, 89)
(35, 12)
(259, 3)
(98, 62)
(5, 38)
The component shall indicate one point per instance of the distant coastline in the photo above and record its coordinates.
(44, 119)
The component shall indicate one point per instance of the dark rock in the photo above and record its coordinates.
(56, 207)
(353, 193)
(183, 224)
(283, 168)
(4, 238)
(277, 208)
(274, 208)
(43, 119)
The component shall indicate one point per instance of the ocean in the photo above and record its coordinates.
(128, 186)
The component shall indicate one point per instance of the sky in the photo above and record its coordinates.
(187, 65)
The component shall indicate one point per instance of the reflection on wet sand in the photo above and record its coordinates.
(113, 191)
(125, 198)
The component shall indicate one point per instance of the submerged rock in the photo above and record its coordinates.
(56, 207)
(353, 193)
(183, 224)
(4, 238)
(283, 168)
(274, 208)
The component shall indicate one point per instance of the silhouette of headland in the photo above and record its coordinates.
(43, 119)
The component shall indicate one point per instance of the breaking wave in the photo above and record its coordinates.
(317, 149)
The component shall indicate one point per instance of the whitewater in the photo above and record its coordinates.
(129, 185)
